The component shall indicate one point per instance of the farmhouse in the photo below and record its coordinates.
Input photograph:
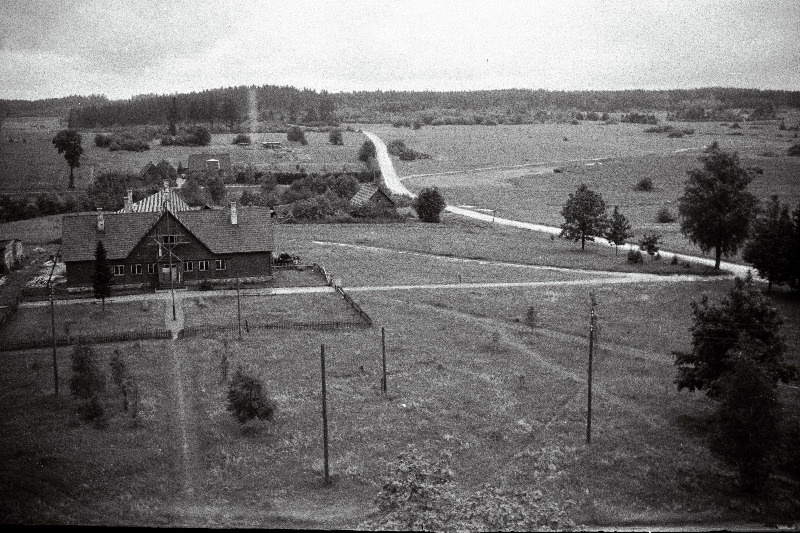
(372, 198)
(210, 165)
(178, 248)
(10, 254)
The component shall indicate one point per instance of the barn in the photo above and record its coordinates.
(171, 248)
(210, 165)
(371, 200)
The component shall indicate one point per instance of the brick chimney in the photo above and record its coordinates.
(128, 200)
(234, 217)
(101, 222)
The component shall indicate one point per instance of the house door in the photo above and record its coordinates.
(168, 275)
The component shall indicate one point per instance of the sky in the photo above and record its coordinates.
(120, 49)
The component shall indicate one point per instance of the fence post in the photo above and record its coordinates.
(324, 415)
(383, 351)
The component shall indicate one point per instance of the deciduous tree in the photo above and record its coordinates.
(618, 230)
(429, 205)
(716, 208)
(247, 399)
(769, 248)
(68, 142)
(584, 215)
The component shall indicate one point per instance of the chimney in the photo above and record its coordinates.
(128, 200)
(234, 218)
(166, 185)
(101, 223)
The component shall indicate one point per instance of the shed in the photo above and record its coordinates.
(370, 199)
(10, 254)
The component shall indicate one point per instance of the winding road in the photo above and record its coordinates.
(395, 185)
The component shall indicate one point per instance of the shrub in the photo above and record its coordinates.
(193, 136)
(650, 243)
(674, 260)
(241, 138)
(675, 134)
(688, 131)
(128, 144)
(429, 205)
(102, 141)
(711, 148)
(644, 184)
(665, 216)
(794, 150)
(335, 138)
(634, 256)
(295, 134)
(532, 318)
(87, 380)
(247, 399)
(366, 151)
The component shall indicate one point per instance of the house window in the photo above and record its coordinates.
(202, 265)
(136, 269)
(220, 264)
(188, 266)
(119, 270)
(168, 239)
(151, 268)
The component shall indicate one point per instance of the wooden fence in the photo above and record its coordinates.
(100, 338)
(233, 329)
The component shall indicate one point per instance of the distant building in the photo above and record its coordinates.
(11, 254)
(271, 145)
(156, 202)
(210, 165)
(178, 248)
(370, 198)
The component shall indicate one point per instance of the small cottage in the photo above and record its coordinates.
(210, 165)
(370, 200)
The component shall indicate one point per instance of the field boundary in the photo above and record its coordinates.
(323, 325)
(102, 338)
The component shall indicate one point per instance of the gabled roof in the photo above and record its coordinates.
(79, 234)
(365, 194)
(155, 203)
(212, 227)
(197, 162)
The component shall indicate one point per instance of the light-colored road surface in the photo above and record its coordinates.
(395, 185)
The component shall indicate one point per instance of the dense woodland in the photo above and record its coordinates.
(226, 108)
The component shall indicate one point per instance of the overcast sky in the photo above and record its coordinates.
(122, 48)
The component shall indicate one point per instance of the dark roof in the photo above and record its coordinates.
(365, 194)
(197, 162)
(212, 227)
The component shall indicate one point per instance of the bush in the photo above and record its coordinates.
(665, 216)
(193, 136)
(87, 380)
(794, 150)
(128, 145)
(634, 256)
(335, 138)
(675, 134)
(102, 141)
(429, 205)
(532, 318)
(247, 399)
(295, 134)
(367, 151)
(650, 243)
(398, 147)
(241, 138)
(644, 184)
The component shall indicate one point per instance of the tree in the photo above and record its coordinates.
(68, 142)
(367, 151)
(173, 116)
(295, 134)
(769, 248)
(618, 230)
(650, 243)
(103, 277)
(746, 421)
(716, 208)
(215, 188)
(584, 215)
(87, 380)
(429, 205)
(335, 138)
(192, 194)
(742, 323)
(794, 271)
(247, 400)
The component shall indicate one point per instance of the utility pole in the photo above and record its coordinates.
(324, 415)
(383, 350)
(591, 342)
(238, 306)
(53, 320)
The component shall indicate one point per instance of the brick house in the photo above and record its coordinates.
(159, 249)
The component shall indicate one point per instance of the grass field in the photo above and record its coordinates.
(36, 166)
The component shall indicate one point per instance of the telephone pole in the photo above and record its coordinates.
(324, 416)
(53, 320)
(591, 345)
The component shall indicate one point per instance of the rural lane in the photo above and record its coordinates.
(393, 183)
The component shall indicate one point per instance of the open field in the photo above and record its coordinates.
(508, 402)
(36, 166)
